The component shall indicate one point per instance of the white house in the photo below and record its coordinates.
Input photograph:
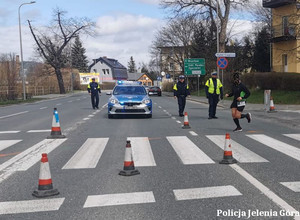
(109, 70)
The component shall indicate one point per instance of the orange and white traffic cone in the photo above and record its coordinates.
(55, 130)
(228, 157)
(128, 169)
(45, 187)
(272, 107)
(186, 124)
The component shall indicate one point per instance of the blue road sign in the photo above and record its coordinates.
(222, 62)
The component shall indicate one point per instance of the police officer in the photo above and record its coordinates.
(213, 89)
(181, 91)
(94, 90)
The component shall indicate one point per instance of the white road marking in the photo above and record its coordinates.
(9, 132)
(265, 190)
(43, 108)
(179, 122)
(88, 154)
(7, 143)
(206, 192)
(70, 101)
(294, 136)
(27, 206)
(119, 199)
(159, 106)
(90, 116)
(280, 146)
(38, 131)
(78, 99)
(19, 113)
(193, 133)
(155, 103)
(165, 110)
(58, 104)
(294, 186)
(187, 151)
(174, 118)
(141, 152)
(28, 158)
(242, 154)
(86, 119)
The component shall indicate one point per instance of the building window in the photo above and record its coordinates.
(285, 25)
(107, 70)
(171, 67)
(103, 70)
(285, 62)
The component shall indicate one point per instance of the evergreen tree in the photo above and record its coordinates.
(131, 65)
(261, 57)
(79, 59)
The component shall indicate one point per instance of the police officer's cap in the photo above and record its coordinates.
(93, 78)
(214, 73)
(181, 77)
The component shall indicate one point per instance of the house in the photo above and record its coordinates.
(109, 70)
(285, 28)
(172, 60)
(145, 78)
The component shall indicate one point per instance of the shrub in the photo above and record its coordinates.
(272, 80)
(167, 86)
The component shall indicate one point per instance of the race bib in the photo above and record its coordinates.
(241, 103)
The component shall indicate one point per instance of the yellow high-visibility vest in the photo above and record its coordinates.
(210, 84)
(175, 87)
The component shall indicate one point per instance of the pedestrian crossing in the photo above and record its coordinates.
(186, 148)
(188, 153)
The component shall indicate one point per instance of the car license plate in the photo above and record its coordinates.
(130, 107)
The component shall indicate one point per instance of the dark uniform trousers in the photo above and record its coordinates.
(181, 103)
(95, 99)
(213, 100)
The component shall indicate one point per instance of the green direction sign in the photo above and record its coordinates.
(194, 67)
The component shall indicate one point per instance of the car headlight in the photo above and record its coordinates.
(146, 101)
(114, 101)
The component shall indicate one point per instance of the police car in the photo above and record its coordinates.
(129, 98)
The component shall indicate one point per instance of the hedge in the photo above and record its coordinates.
(272, 80)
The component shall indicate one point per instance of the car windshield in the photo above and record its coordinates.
(129, 90)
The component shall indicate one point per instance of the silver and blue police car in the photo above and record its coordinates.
(129, 98)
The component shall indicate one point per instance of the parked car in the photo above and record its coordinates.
(129, 98)
(154, 90)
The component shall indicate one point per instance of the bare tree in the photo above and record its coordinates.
(178, 36)
(210, 8)
(9, 75)
(52, 42)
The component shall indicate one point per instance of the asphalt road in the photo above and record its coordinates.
(180, 175)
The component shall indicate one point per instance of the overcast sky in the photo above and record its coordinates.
(125, 27)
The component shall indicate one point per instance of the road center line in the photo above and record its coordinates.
(9, 132)
(19, 113)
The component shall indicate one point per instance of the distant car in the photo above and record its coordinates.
(154, 90)
(147, 88)
(129, 98)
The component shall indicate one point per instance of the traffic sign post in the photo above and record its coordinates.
(222, 62)
(194, 67)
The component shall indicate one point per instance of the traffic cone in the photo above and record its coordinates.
(228, 158)
(55, 130)
(45, 187)
(272, 107)
(128, 169)
(186, 124)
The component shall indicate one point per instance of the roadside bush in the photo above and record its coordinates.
(167, 86)
(272, 80)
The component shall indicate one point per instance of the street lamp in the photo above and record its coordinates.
(22, 66)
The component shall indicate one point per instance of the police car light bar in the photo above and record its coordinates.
(121, 82)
